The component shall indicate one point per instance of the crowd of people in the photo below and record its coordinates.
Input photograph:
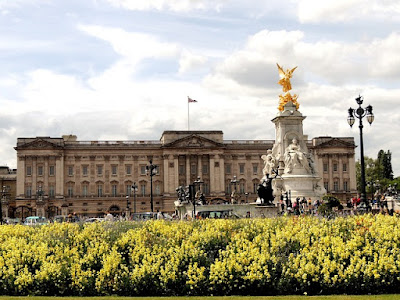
(300, 206)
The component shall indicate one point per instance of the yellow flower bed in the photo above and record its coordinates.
(283, 255)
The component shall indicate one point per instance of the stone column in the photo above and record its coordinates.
(34, 174)
(176, 171)
(21, 173)
(352, 173)
(46, 174)
(212, 175)
(166, 185)
(340, 172)
(330, 173)
(199, 166)
(187, 169)
(60, 175)
(222, 174)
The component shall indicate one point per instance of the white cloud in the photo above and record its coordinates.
(172, 5)
(332, 11)
(191, 62)
(133, 46)
(321, 61)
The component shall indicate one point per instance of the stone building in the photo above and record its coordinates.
(59, 176)
(8, 179)
(336, 165)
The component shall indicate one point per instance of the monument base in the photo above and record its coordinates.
(252, 210)
(303, 186)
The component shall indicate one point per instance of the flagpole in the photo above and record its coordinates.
(188, 117)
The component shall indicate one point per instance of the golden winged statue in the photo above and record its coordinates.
(285, 78)
(286, 87)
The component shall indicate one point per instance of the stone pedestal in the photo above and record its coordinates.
(252, 210)
(265, 211)
(303, 186)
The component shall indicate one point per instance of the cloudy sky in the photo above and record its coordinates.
(122, 69)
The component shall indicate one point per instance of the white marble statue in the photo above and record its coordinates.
(269, 163)
(295, 158)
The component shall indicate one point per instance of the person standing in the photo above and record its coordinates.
(109, 217)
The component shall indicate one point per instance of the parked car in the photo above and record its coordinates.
(12, 221)
(35, 220)
(144, 216)
(93, 220)
(69, 219)
(216, 214)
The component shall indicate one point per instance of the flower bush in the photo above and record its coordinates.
(285, 255)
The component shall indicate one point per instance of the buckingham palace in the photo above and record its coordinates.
(62, 175)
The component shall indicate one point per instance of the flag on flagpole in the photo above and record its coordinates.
(190, 100)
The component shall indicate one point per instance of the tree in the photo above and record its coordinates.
(371, 171)
(387, 166)
(376, 170)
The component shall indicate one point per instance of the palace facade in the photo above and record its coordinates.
(8, 178)
(62, 175)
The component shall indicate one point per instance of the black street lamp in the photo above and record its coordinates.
(40, 194)
(134, 188)
(151, 170)
(360, 113)
(127, 205)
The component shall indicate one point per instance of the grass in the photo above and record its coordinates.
(330, 297)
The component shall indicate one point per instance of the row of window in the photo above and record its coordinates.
(40, 171)
(336, 186)
(85, 170)
(205, 167)
(128, 169)
(240, 187)
(335, 167)
(99, 190)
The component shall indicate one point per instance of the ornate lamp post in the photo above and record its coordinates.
(127, 208)
(40, 202)
(360, 113)
(151, 170)
(40, 194)
(134, 188)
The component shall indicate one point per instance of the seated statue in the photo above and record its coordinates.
(295, 157)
